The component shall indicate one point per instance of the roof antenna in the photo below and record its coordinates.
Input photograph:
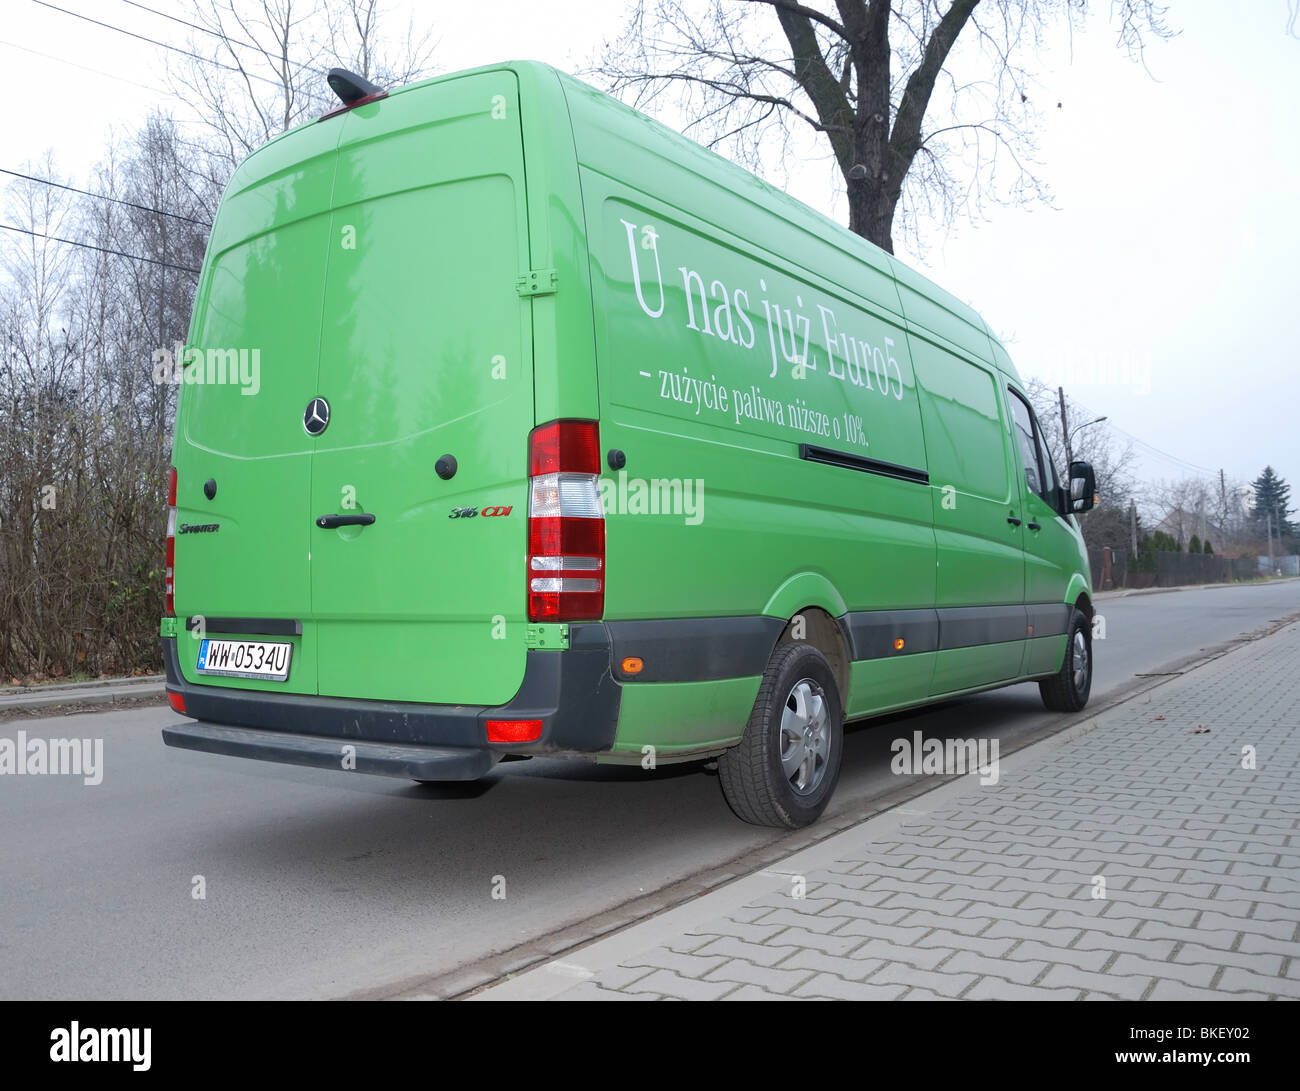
(350, 87)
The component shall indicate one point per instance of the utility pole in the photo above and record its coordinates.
(1223, 508)
(1268, 516)
(1133, 528)
(1065, 430)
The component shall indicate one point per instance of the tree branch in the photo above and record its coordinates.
(811, 14)
(906, 136)
(818, 82)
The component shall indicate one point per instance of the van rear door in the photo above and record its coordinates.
(252, 369)
(425, 354)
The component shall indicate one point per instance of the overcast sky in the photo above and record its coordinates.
(1162, 290)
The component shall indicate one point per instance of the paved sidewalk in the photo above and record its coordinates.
(991, 891)
(107, 691)
(1130, 592)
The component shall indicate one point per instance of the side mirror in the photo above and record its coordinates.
(1083, 487)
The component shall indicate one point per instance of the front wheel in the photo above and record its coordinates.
(1068, 689)
(787, 763)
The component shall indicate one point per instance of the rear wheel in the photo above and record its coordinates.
(1068, 689)
(785, 768)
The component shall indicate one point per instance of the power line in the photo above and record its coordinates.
(105, 197)
(84, 68)
(155, 41)
(187, 23)
(101, 249)
(1174, 459)
(214, 33)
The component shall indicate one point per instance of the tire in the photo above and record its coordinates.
(799, 712)
(1068, 689)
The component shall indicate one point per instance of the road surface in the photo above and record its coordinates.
(325, 884)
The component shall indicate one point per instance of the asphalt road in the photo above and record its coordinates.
(321, 884)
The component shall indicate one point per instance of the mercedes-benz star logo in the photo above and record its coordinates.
(317, 416)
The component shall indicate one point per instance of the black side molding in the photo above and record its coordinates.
(1048, 618)
(829, 457)
(972, 626)
(701, 649)
(246, 626)
(872, 632)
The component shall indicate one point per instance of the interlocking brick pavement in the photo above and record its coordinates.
(995, 894)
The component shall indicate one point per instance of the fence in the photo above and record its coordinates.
(1287, 565)
(1113, 568)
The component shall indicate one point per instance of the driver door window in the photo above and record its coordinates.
(1028, 446)
(1051, 483)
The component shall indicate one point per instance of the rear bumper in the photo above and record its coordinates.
(572, 692)
(388, 759)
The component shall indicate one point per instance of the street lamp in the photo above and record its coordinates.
(1069, 457)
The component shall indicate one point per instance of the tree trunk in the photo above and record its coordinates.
(871, 212)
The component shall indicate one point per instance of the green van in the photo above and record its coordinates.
(513, 423)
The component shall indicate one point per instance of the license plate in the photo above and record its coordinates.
(263, 659)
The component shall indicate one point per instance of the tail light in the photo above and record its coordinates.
(566, 523)
(514, 730)
(169, 580)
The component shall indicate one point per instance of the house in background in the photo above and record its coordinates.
(1182, 525)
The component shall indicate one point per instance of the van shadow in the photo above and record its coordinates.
(574, 834)
(572, 831)
(575, 771)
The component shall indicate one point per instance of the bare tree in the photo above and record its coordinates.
(37, 356)
(1183, 508)
(1232, 513)
(84, 430)
(355, 44)
(925, 105)
(257, 67)
(85, 425)
(255, 70)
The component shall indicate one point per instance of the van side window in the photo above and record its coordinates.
(964, 437)
(1050, 481)
(1028, 445)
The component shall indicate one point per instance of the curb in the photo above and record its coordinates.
(106, 691)
(1124, 593)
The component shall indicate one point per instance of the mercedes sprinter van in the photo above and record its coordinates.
(513, 423)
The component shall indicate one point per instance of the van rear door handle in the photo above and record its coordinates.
(1035, 526)
(1013, 520)
(329, 522)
